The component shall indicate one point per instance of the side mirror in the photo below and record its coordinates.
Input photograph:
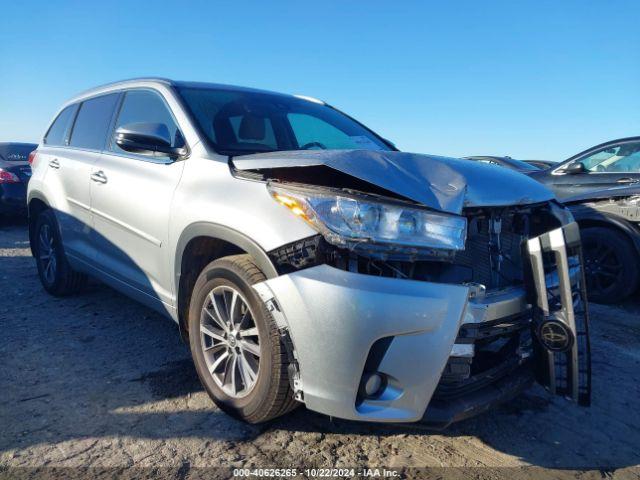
(147, 139)
(574, 168)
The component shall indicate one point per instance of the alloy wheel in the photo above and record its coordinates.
(47, 253)
(603, 266)
(230, 341)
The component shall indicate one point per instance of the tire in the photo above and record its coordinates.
(230, 385)
(56, 275)
(611, 264)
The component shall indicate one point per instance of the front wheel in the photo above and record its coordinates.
(611, 264)
(235, 343)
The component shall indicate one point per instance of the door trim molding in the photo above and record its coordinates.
(126, 226)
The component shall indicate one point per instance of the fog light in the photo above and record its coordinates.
(372, 383)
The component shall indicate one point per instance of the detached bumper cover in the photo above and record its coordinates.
(334, 318)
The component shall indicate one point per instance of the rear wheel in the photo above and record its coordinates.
(611, 264)
(56, 275)
(235, 342)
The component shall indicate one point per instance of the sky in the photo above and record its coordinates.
(530, 79)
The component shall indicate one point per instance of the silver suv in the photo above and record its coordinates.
(307, 260)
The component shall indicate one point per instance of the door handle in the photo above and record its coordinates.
(627, 180)
(99, 177)
(54, 163)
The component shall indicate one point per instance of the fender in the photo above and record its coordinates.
(584, 214)
(214, 230)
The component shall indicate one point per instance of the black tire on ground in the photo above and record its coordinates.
(64, 280)
(272, 395)
(611, 264)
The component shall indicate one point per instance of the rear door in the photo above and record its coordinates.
(70, 170)
(131, 196)
(612, 166)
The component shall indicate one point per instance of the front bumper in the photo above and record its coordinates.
(337, 321)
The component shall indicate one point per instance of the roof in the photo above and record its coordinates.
(166, 82)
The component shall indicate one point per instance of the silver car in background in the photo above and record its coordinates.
(305, 259)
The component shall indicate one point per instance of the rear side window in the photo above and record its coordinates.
(59, 130)
(144, 106)
(92, 122)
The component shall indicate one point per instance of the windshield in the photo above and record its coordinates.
(238, 122)
(520, 165)
(16, 152)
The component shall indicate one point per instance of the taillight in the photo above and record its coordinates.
(8, 177)
(32, 158)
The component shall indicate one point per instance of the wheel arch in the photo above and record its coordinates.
(37, 204)
(201, 243)
(593, 218)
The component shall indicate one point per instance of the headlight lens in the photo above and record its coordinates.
(346, 220)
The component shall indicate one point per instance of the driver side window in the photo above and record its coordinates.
(614, 159)
(144, 106)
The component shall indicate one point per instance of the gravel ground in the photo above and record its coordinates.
(98, 381)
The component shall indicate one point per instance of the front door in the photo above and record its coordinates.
(131, 196)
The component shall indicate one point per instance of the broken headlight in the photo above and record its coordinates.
(349, 220)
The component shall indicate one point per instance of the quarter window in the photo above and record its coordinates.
(143, 106)
(92, 122)
(59, 130)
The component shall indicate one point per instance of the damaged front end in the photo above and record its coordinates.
(388, 327)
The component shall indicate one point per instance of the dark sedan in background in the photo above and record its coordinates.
(612, 164)
(601, 186)
(14, 176)
(508, 162)
(541, 164)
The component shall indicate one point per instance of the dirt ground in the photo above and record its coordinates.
(98, 381)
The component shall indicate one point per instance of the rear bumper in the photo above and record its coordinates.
(13, 198)
(336, 320)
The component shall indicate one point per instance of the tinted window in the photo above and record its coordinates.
(315, 133)
(59, 129)
(16, 152)
(143, 106)
(239, 122)
(614, 159)
(92, 122)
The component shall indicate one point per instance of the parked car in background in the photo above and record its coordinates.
(601, 185)
(14, 176)
(611, 164)
(507, 162)
(610, 228)
(305, 259)
(541, 164)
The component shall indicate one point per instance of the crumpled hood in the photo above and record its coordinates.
(441, 183)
